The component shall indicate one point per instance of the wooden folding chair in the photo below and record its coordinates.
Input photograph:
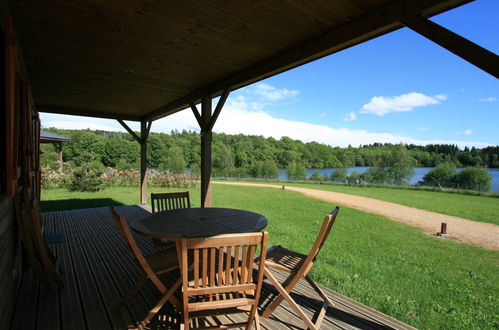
(43, 253)
(168, 201)
(153, 265)
(298, 266)
(217, 278)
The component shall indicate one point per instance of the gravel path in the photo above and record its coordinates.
(460, 229)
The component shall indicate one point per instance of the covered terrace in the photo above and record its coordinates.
(141, 61)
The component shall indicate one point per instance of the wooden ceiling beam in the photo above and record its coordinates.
(377, 22)
(85, 112)
(462, 47)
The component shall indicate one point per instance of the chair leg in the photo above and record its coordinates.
(159, 305)
(135, 289)
(327, 302)
(285, 295)
(253, 317)
(278, 300)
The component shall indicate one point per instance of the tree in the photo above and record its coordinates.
(476, 178)
(339, 175)
(376, 175)
(443, 175)
(355, 178)
(296, 171)
(87, 177)
(401, 165)
(316, 176)
(174, 161)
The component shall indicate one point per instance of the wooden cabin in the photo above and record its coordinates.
(144, 60)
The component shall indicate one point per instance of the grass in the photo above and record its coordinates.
(473, 207)
(424, 281)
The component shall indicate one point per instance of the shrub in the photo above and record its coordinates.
(52, 179)
(443, 175)
(476, 178)
(339, 175)
(86, 180)
(167, 179)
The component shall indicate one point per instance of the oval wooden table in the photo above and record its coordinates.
(199, 222)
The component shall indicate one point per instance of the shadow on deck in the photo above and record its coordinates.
(99, 271)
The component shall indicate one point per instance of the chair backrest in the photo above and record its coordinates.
(127, 236)
(222, 264)
(170, 201)
(327, 224)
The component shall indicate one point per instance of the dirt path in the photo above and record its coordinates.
(464, 230)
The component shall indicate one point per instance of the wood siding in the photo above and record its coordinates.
(8, 250)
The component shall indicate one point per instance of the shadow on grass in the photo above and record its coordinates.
(75, 203)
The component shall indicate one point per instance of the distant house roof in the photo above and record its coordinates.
(48, 137)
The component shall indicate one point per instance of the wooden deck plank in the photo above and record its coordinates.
(93, 306)
(48, 316)
(123, 271)
(99, 271)
(72, 313)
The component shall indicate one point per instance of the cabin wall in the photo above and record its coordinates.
(19, 125)
(9, 265)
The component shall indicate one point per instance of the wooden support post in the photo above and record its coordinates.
(60, 156)
(145, 128)
(143, 162)
(462, 47)
(206, 137)
(206, 121)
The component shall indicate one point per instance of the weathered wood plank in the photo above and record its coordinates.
(72, 313)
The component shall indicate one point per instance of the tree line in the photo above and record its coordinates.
(254, 156)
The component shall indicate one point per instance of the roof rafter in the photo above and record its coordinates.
(462, 47)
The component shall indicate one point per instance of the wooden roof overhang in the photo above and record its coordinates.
(142, 60)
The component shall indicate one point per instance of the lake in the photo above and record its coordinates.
(418, 176)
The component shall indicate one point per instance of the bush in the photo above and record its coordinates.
(87, 177)
(476, 178)
(339, 175)
(443, 175)
(355, 178)
(52, 179)
(167, 179)
(376, 175)
(86, 180)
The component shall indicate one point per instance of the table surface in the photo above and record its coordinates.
(199, 222)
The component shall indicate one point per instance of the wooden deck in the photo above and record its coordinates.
(98, 271)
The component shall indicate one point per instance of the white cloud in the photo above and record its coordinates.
(488, 99)
(381, 105)
(466, 132)
(350, 116)
(272, 93)
(240, 116)
(423, 128)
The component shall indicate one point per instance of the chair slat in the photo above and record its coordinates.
(228, 258)
(196, 268)
(204, 269)
(249, 277)
(244, 266)
(236, 264)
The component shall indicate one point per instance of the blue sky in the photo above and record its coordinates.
(399, 87)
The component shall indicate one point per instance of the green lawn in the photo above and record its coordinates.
(424, 281)
(478, 208)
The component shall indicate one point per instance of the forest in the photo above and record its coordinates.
(255, 156)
